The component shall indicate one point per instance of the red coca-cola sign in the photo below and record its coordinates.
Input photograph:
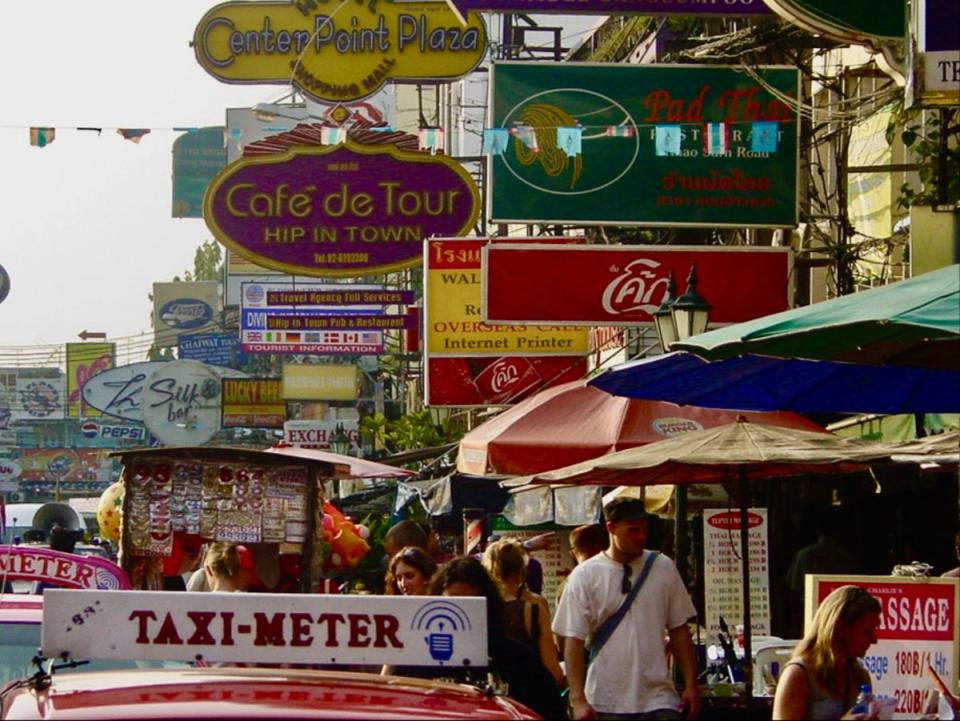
(457, 381)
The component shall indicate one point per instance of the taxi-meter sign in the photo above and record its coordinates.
(265, 628)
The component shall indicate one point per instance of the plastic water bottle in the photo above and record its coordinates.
(864, 699)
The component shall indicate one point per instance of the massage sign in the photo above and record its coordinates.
(338, 51)
(339, 211)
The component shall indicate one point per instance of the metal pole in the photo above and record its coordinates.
(680, 531)
(744, 490)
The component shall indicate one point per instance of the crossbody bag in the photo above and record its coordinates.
(607, 628)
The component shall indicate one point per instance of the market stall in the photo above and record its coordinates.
(171, 500)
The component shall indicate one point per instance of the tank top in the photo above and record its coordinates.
(516, 611)
(820, 704)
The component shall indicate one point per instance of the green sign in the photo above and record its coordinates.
(198, 156)
(736, 161)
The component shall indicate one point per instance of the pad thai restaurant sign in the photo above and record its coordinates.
(340, 211)
(526, 284)
(338, 52)
(919, 621)
(644, 145)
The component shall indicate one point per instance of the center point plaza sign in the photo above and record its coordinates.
(617, 175)
(338, 51)
(340, 211)
(265, 628)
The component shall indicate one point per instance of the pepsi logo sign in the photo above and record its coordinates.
(90, 429)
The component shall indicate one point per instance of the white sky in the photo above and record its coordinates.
(85, 225)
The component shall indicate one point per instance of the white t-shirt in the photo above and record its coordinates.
(630, 673)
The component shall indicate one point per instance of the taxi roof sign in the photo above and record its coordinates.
(265, 628)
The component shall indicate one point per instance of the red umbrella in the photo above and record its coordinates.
(359, 468)
(575, 422)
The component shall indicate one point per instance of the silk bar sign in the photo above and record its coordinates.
(338, 52)
(339, 211)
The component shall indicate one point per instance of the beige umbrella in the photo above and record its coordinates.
(739, 451)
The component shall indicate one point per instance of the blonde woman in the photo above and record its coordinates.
(528, 615)
(228, 567)
(823, 678)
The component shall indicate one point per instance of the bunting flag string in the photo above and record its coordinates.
(667, 140)
(716, 139)
(431, 139)
(133, 134)
(42, 137)
(332, 136)
(570, 141)
(495, 141)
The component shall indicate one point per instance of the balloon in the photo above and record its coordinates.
(110, 511)
(363, 532)
(327, 522)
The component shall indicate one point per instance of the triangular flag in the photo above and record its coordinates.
(716, 138)
(619, 131)
(41, 137)
(431, 139)
(234, 134)
(667, 139)
(132, 134)
(763, 137)
(332, 136)
(526, 135)
(495, 141)
(570, 141)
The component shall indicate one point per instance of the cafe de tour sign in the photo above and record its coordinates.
(340, 210)
(338, 52)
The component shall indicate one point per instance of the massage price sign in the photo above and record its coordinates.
(919, 622)
(265, 628)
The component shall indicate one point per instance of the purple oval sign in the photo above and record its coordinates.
(341, 210)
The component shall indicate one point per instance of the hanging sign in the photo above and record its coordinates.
(340, 211)
(919, 621)
(181, 403)
(340, 52)
(645, 145)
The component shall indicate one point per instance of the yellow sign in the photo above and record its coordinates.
(338, 51)
(84, 361)
(454, 321)
(320, 383)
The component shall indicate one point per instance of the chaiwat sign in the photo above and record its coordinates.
(338, 51)
(341, 210)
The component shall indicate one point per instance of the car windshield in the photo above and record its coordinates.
(20, 642)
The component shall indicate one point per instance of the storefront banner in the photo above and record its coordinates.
(722, 570)
(198, 156)
(697, 8)
(453, 315)
(342, 210)
(67, 465)
(615, 171)
(318, 434)
(320, 382)
(338, 53)
(919, 623)
(219, 349)
(484, 381)
(253, 403)
(529, 285)
(39, 399)
(181, 307)
(84, 361)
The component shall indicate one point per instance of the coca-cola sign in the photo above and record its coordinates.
(339, 211)
(527, 284)
(454, 381)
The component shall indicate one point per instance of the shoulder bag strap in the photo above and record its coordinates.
(607, 628)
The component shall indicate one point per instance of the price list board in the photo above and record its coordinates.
(722, 570)
(918, 629)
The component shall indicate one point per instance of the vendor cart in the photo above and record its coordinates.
(174, 499)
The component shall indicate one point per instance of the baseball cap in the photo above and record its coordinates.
(627, 509)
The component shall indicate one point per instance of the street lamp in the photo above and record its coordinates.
(686, 316)
(340, 443)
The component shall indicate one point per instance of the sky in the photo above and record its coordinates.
(85, 222)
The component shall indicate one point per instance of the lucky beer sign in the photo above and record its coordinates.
(340, 211)
(338, 51)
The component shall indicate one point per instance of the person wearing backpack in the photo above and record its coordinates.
(615, 612)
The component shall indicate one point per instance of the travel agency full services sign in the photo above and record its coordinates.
(680, 145)
(340, 210)
(338, 52)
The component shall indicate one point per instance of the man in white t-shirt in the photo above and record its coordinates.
(629, 678)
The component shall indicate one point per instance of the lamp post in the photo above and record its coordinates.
(340, 443)
(683, 317)
(676, 320)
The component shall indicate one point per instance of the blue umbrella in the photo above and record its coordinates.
(763, 383)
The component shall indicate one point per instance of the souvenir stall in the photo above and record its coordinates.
(170, 501)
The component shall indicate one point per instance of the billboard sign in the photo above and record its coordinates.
(338, 54)
(198, 156)
(219, 349)
(180, 307)
(340, 210)
(181, 403)
(497, 381)
(318, 434)
(84, 361)
(584, 285)
(253, 403)
(320, 382)
(39, 399)
(642, 158)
